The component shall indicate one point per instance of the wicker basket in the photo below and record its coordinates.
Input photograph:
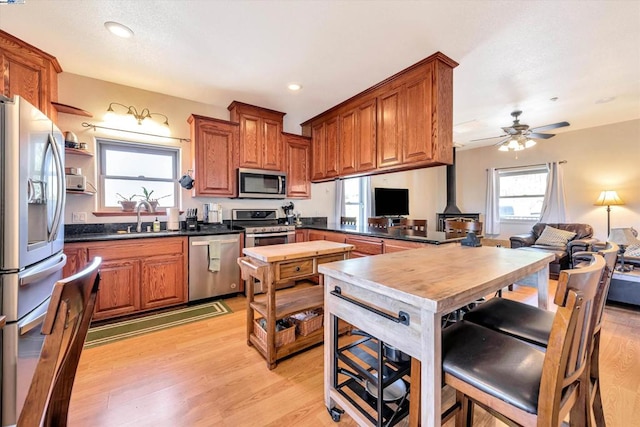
(283, 337)
(307, 326)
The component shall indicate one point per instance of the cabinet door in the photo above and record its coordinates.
(348, 142)
(163, 281)
(298, 158)
(400, 245)
(301, 236)
(76, 259)
(390, 106)
(316, 235)
(318, 144)
(29, 73)
(417, 143)
(119, 291)
(331, 136)
(250, 141)
(213, 145)
(272, 157)
(335, 237)
(364, 246)
(365, 147)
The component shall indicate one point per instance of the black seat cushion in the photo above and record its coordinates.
(514, 318)
(495, 363)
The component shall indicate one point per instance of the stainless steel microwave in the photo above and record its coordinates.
(261, 184)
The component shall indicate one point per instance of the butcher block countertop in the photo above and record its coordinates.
(275, 253)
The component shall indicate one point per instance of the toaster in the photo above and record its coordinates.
(76, 182)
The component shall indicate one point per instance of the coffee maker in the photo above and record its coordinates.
(288, 213)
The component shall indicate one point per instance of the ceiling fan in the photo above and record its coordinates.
(519, 136)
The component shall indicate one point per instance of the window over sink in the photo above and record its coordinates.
(124, 168)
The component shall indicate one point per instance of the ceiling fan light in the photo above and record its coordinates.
(529, 143)
(512, 144)
(503, 147)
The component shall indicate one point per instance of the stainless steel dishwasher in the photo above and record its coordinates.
(212, 275)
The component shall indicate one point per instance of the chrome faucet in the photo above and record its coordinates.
(149, 209)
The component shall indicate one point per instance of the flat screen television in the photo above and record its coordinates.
(390, 201)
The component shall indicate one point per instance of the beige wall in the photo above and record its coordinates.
(605, 157)
(600, 158)
(94, 96)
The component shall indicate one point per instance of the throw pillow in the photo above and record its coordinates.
(633, 251)
(554, 237)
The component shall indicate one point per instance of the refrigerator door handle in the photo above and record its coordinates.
(34, 319)
(44, 272)
(60, 199)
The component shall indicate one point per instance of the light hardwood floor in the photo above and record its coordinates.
(204, 374)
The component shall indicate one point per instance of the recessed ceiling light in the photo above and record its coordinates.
(605, 100)
(118, 29)
(294, 86)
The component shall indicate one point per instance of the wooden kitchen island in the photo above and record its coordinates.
(400, 298)
(276, 264)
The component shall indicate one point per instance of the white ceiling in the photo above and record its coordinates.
(512, 54)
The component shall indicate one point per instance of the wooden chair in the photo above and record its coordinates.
(414, 224)
(515, 381)
(458, 225)
(65, 328)
(382, 223)
(348, 220)
(533, 325)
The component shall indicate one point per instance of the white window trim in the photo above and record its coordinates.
(519, 171)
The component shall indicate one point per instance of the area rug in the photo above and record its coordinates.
(105, 334)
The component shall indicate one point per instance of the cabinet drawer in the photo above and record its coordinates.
(289, 270)
(330, 258)
(368, 247)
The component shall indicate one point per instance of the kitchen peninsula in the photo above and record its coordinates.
(400, 298)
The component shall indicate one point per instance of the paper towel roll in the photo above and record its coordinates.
(173, 221)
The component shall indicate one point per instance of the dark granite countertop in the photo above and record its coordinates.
(397, 233)
(117, 231)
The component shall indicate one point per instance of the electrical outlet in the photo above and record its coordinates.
(79, 217)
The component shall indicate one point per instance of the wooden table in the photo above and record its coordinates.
(423, 285)
(276, 264)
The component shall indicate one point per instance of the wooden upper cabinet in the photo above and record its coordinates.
(298, 152)
(404, 122)
(324, 150)
(214, 156)
(331, 140)
(29, 72)
(261, 145)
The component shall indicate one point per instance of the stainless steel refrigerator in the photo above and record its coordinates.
(32, 195)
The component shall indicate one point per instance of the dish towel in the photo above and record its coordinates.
(214, 255)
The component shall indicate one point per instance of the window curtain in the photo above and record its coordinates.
(367, 199)
(492, 211)
(554, 206)
(339, 202)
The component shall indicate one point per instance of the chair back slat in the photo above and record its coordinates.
(65, 328)
(413, 224)
(348, 220)
(571, 337)
(382, 223)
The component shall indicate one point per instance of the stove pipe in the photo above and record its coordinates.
(451, 188)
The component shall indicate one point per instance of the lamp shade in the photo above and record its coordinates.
(608, 198)
(622, 236)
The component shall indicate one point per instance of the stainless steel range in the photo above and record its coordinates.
(261, 227)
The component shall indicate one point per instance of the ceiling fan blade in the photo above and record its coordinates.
(551, 126)
(502, 141)
(511, 130)
(540, 135)
(491, 137)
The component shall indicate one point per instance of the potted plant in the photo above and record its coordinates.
(127, 203)
(153, 201)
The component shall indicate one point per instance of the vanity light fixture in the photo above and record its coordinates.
(144, 114)
(118, 29)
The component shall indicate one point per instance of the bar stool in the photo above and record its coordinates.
(381, 223)
(515, 381)
(414, 224)
(533, 325)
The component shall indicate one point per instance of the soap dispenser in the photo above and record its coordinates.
(156, 225)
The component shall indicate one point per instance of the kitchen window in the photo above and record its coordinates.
(521, 192)
(356, 200)
(126, 167)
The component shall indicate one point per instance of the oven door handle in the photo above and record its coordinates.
(206, 242)
(278, 234)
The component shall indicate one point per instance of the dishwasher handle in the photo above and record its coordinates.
(206, 242)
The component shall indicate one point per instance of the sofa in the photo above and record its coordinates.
(570, 239)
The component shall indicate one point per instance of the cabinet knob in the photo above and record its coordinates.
(298, 268)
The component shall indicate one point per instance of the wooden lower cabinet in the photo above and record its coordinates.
(401, 245)
(135, 275)
(301, 236)
(365, 246)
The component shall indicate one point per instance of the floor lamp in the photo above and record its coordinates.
(608, 198)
